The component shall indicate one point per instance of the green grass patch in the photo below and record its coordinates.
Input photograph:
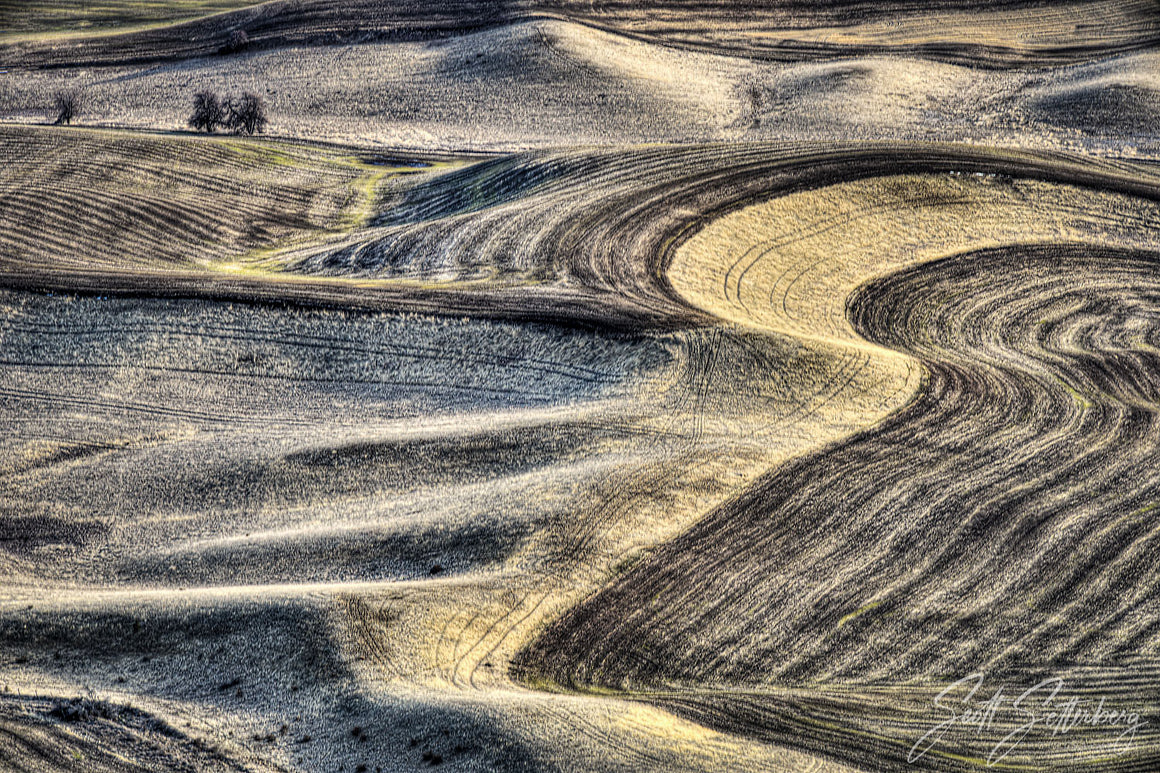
(858, 612)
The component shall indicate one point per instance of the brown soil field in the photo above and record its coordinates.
(560, 386)
(549, 83)
(993, 33)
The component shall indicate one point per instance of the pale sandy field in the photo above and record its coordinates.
(579, 386)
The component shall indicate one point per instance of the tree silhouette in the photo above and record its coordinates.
(247, 114)
(67, 105)
(208, 112)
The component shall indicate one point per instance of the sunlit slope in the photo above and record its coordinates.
(549, 83)
(348, 518)
(985, 33)
(556, 235)
(536, 83)
(994, 525)
(250, 516)
(83, 200)
(374, 504)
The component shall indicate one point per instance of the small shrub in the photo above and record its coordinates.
(237, 41)
(208, 112)
(67, 105)
(80, 710)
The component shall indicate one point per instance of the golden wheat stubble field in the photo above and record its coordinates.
(571, 386)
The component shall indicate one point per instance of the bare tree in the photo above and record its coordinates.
(247, 114)
(67, 104)
(208, 112)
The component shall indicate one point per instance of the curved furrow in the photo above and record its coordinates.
(430, 492)
(91, 201)
(1004, 507)
(610, 239)
(43, 734)
(589, 247)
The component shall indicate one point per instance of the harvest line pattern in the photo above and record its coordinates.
(567, 236)
(1009, 506)
(426, 494)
